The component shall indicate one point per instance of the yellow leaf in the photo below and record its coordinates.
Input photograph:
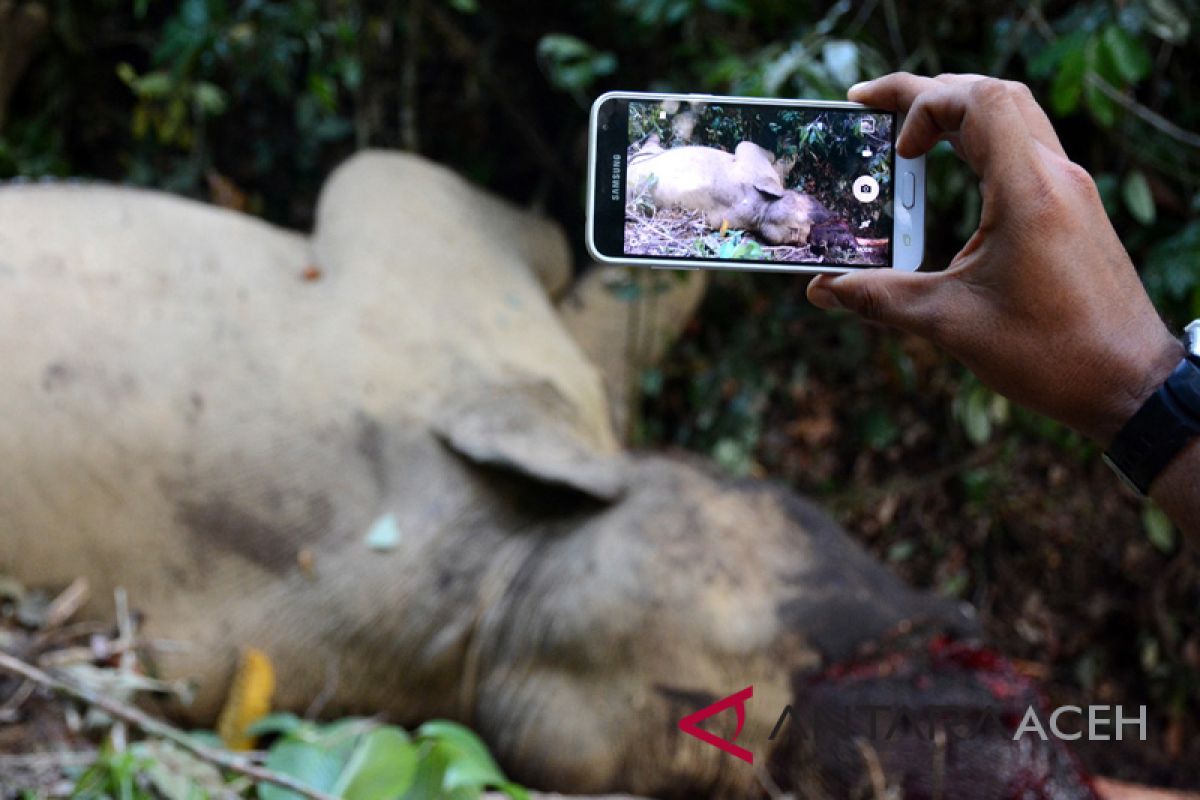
(249, 699)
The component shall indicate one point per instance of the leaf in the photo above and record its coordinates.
(1067, 88)
(469, 762)
(249, 699)
(307, 762)
(1158, 527)
(974, 412)
(152, 85)
(902, 550)
(431, 773)
(1135, 191)
(1167, 21)
(383, 766)
(1172, 267)
(210, 98)
(1128, 55)
(571, 63)
(1097, 63)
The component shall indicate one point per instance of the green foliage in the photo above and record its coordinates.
(572, 64)
(355, 759)
(115, 775)
(979, 410)
(1159, 529)
(732, 244)
(359, 760)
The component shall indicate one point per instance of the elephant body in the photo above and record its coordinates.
(220, 416)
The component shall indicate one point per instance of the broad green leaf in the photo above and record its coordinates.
(1135, 191)
(382, 767)
(1158, 527)
(468, 764)
(1098, 64)
(1128, 55)
(462, 739)
(1067, 88)
(432, 760)
(313, 765)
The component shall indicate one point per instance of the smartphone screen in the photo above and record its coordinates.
(765, 183)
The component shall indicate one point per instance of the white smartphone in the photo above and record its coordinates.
(700, 181)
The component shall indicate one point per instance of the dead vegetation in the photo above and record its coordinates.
(680, 233)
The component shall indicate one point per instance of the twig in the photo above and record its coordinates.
(76, 758)
(1164, 125)
(67, 603)
(140, 719)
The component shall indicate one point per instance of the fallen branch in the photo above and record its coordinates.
(1150, 117)
(136, 717)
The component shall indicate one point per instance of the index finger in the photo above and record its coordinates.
(994, 137)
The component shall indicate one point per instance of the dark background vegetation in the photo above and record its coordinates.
(250, 104)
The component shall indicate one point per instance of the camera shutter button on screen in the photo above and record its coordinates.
(908, 189)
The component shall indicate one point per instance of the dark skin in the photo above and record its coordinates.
(1043, 302)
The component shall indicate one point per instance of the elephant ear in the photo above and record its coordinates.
(530, 431)
(769, 187)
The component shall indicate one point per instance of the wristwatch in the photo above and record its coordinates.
(1163, 425)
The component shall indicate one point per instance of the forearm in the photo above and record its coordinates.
(1177, 491)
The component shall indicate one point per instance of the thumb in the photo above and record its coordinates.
(912, 301)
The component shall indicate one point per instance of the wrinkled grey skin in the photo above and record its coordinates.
(742, 189)
(185, 416)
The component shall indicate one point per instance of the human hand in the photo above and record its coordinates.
(1042, 303)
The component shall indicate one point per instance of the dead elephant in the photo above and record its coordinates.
(741, 189)
(186, 415)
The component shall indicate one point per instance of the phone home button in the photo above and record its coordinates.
(908, 189)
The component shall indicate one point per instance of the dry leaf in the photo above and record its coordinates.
(249, 699)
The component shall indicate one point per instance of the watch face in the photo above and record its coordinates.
(1192, 340)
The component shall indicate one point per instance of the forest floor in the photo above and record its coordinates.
(678, 233)
(959, 493)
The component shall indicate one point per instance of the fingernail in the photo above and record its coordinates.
(857, 86)
(821, 297)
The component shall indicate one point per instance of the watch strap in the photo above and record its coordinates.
(1164, 424)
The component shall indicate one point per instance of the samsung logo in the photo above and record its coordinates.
(616, 177)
